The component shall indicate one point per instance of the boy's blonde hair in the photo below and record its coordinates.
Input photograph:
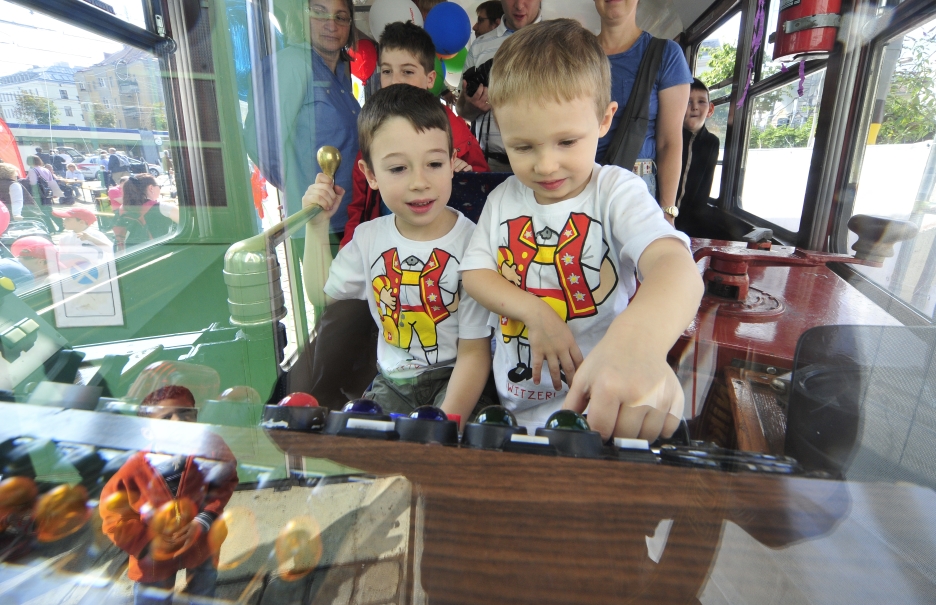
(556, 60)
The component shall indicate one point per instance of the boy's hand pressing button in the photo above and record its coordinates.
(628, 394)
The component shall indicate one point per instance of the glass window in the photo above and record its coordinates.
(137, 397)
(130, 11)
(63, 94)
(715, 65)
(715, 58)
(901, 119)
(769, 67)
(779, 150)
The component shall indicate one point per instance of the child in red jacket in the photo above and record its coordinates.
(159, 509)
(407, 56)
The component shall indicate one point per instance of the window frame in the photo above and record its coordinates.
(905, 17)
(707, 25)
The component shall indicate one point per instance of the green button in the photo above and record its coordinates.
(495, 414)
(7, 284)
(569, 420)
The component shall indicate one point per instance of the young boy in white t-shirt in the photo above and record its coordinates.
(435, 344)
(558, 244)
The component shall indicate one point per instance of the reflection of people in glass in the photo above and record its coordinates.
(139, 219)
(159, 509)
(315, 102)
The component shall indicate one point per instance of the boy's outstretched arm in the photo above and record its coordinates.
(551, 340)
(625, 379)
(472, 366)
(316, 258)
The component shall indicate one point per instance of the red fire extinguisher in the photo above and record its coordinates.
(806, 29)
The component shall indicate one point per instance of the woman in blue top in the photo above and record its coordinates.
(316, 106)
(625, 44)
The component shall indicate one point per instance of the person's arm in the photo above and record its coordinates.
(468, 149)
(98, 238)
(472, 366)
(121, 523)
(625, 381)
(710, 160)
(16, 200)
(551, 341)
(470, 108)
(358, 205)
(672, 110)
(317, 254)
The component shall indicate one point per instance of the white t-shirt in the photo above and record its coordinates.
(414, 293)
(70, 239)
(579, 255)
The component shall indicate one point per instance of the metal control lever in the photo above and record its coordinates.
(251, 270)
(727, 274)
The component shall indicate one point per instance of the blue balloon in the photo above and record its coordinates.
(449, 26)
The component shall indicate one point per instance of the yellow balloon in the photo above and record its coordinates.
(298, 548)
(237, 526)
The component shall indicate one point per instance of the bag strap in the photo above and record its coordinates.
(632, 127)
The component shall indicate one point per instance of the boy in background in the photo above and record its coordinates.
(407, 56)
(699, 157)
(434, 347)
(555, 240)
(138, 501)
(78, 222)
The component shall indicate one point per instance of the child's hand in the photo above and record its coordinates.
(324, 193)
(480, 98)
(552, 341)
(628, 394)
(461, 165)
(510, 274)
(386, 297)
(187, 536)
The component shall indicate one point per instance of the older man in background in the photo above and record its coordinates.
(517, 15)
(489, 17)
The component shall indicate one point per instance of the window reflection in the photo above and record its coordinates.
(901, 118)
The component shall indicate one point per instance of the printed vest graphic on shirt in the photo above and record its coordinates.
(560, 264)
(411, 300)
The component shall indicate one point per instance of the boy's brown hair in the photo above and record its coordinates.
(411, 38)
(557, 60)
(418, 106)
(698, 84)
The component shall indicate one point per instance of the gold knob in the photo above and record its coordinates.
(329, 159)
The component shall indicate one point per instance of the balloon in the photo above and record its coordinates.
(445, 57)
(383, 12)
(364, 59)
(453, 79)
(439, 85)
(457, 62)
(4, 218)
(449, 26)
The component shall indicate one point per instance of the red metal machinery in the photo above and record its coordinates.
(759, 301)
